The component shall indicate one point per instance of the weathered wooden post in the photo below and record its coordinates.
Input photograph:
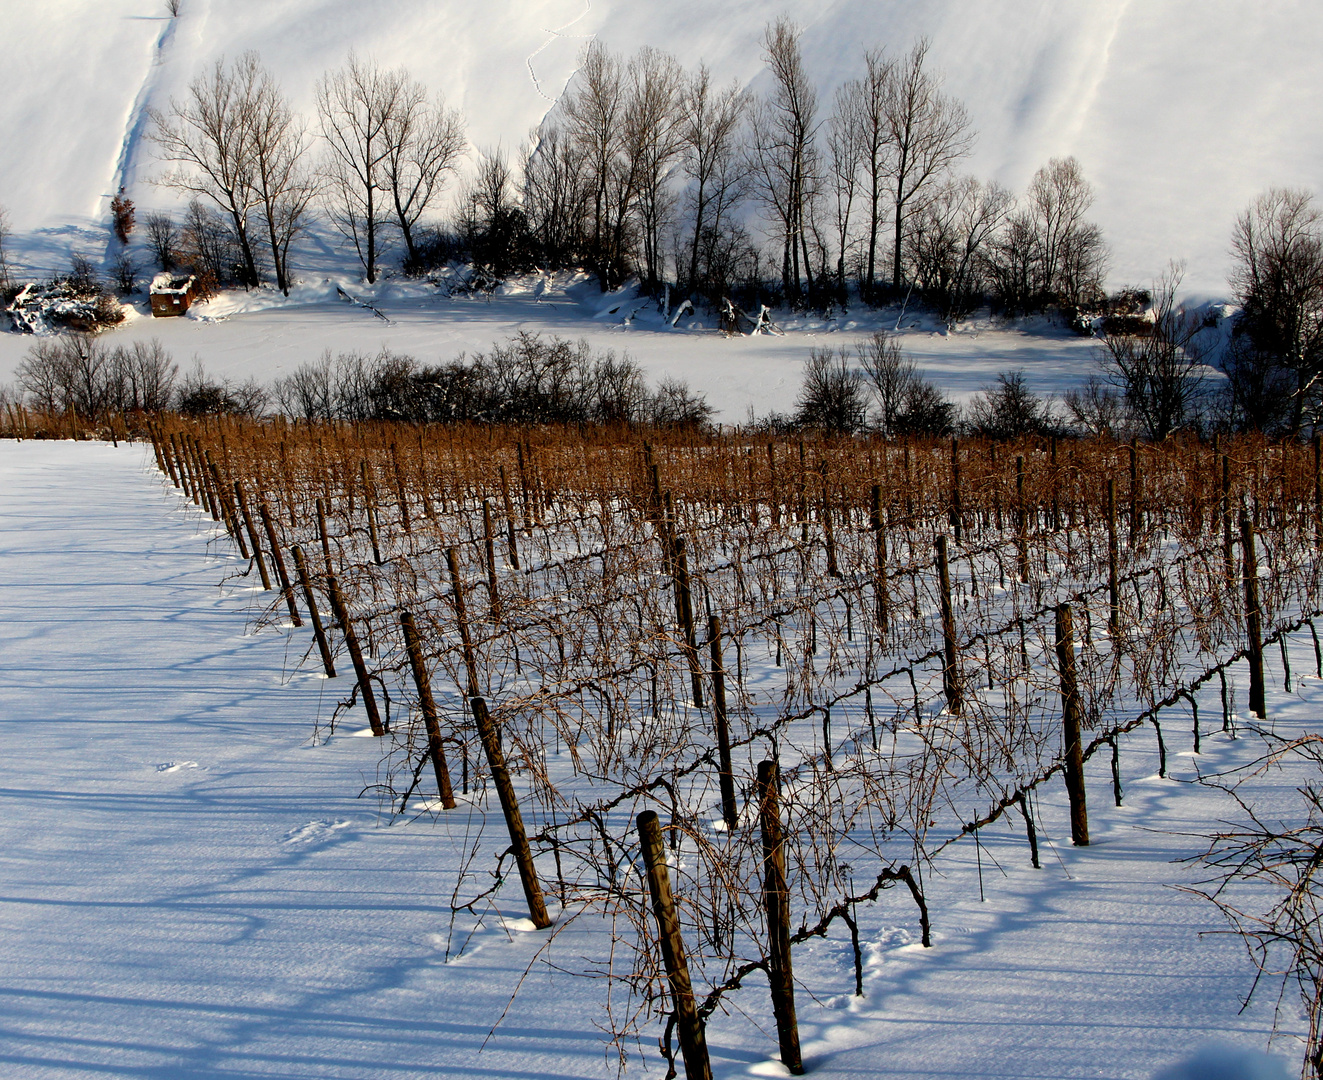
(252, 535)
(1253, 619)
(509, 520)
(278, 561)
(693, 1039)
(1021, 522)
(462, 621)
(725, 770)
(1072, 712)
(313, 615)
(514, 821)
(877, 525)
(355, 655)
(776, 905)
(489, 549)
(435, 748)
(955, 698)
(956, 516)
(1113, 558)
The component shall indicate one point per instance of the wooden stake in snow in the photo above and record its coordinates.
(955, 698)
(776, 906)
(725, 771)
(877, 524)
(435, 748)
(1253, 619)
(1113, 578)
(1071, 717)
(265, 513)
(693, 1039)
(514, 821)
(355, 655)
(311, 600)
(252, 535)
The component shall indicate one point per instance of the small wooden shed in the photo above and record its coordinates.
(171, 295)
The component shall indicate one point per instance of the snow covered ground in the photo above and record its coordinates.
(265, 336)
(190, 886)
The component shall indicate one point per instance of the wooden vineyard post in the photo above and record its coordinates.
(355, 655)
(950, 666)
(491, 744)
(1071, 718)
(955, 516)
(509, 520)
(1021, 522)
(185, 481)
(229, 515)
(726, 772)
(489, 547)
(1113, 557)
(462, 620)
(252, 535)
(773, 498)
(1253, 619)
(369, 507)
(435, 748)
(311, 601)
(265, 513)
(684, 604)
(776, 905)
(1228, 539)
(693, 1040)
(325, 534)
(400, 496)
(878, 527)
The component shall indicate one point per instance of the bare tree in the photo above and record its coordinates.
(594, 109)
(783, 152)
(846, 133)
(283, 187)
(926, 134)
(908, 404)
(556, 195)
(710, 132)
(833, 396)
(210, 137)
(424, 140)
(1278, 280)
(1161, 374)
(948, 240)
(652, 143)
(357, 106)
(865, 102)
(1070, 249)
(163, 237)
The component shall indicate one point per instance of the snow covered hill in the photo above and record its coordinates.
(1180, 110)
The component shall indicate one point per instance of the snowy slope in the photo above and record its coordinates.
(190, 887)
(1180, 110)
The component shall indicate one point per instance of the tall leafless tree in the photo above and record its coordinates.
(948, 241)
(357, 106)
(594, 110)
(865, 102)
(652, 144)
(845, 147)
(1278, 280)
(710, 132)
(424, 142)
(927, 132)
(783, 152)
(209, 136)
(283, 185)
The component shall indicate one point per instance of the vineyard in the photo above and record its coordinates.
(724, 691)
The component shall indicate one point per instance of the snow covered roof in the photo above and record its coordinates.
(170, 285)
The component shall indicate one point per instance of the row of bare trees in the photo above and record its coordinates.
(643, 168)
(241, 151)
